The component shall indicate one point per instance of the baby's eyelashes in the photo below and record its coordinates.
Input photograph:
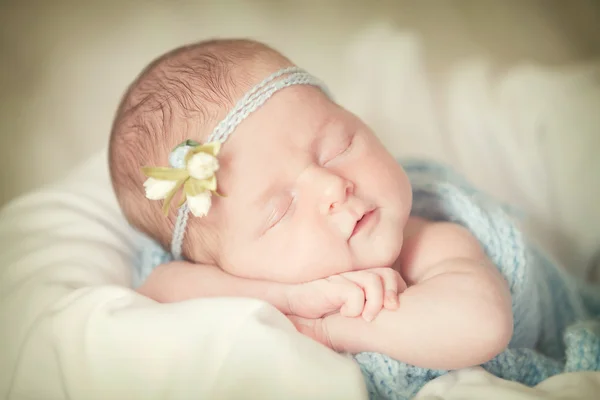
(334, 147)
(280, 206)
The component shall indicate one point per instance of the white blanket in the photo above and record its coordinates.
(71, 329)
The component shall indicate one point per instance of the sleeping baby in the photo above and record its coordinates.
(257, 184)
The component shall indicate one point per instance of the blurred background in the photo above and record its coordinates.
(506, 91)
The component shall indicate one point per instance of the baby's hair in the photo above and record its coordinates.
(180, 95)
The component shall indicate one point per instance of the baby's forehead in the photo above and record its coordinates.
(256, 171)
(272, 143)
(293, 117)
(248, 169)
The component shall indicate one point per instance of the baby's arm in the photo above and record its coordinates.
(180, 281)
(456, 312)
(357, 293)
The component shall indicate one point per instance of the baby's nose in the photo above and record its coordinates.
(336, 193)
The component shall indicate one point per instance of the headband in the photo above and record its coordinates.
(193, 165)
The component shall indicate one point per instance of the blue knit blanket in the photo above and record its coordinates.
(556, 317)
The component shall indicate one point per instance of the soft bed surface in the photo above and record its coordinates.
(71, 327)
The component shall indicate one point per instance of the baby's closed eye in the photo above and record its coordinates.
(335, 145)
(279, 207)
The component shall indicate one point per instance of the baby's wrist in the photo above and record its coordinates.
(278, 295)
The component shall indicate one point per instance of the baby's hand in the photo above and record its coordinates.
(353, 294)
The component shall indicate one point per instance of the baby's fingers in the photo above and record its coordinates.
(393, 285)
(351, 296)
(372, 287)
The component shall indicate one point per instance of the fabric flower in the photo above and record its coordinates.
(157, 189)
(200, 204)
(197, 179)
(202, 166)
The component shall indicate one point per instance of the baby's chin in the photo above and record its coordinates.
(380, 253)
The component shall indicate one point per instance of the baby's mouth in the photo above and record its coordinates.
(363, 221)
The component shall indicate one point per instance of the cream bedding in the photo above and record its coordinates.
(523, 130)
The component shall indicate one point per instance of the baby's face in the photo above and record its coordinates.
(311, 192)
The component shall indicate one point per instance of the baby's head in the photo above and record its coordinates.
(309, 189)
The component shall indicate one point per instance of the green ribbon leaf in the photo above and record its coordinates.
(169, 197)
(165, 173)
(194, 187)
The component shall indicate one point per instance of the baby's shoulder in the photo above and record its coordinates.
(435, 233)
(431, 242)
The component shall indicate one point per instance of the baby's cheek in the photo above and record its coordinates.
(246, 261)
(316, 259)
(375, 175)
(382, 248)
